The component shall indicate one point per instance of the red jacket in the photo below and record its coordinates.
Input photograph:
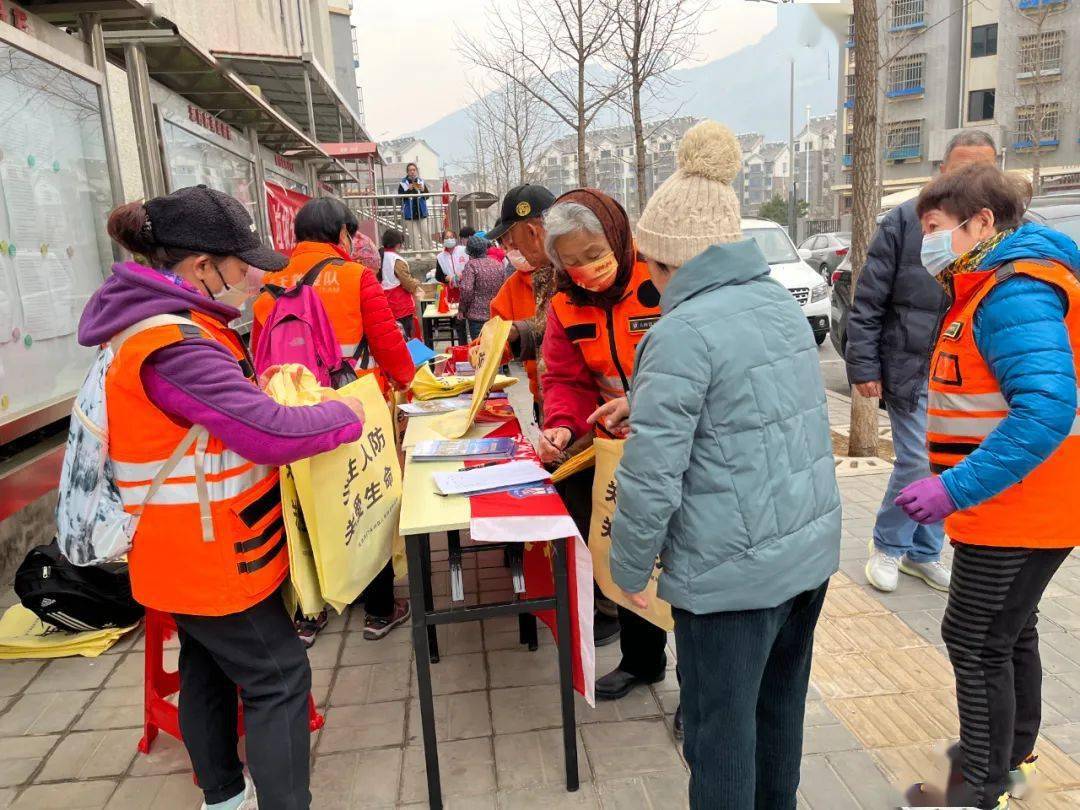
(375, 321)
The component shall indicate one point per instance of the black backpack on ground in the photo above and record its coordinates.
(75, 598)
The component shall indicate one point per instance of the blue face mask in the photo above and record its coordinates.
(937, 250)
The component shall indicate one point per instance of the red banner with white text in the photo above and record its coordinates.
(282, 205)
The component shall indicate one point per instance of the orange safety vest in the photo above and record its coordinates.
(516, 301)
(338, 287)
(210, 540)
(965, 405)
(608, 338)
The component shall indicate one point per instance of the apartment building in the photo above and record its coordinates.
(611, 160)
(1009, 67)
(765, 169)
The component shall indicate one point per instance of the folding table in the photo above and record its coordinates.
(423, 512)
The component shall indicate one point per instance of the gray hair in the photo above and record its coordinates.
(566, 218)
(970, 137)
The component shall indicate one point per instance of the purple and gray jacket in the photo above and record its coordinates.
(199, 382)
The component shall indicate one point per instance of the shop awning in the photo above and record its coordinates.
(297, 86)
(174, 60)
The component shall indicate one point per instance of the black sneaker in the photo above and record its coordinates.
(307, 628)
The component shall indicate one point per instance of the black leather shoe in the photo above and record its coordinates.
(676, 726)
(605, 629)
(617, 684)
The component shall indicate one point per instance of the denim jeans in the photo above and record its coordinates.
(744, 680)
(895, 533)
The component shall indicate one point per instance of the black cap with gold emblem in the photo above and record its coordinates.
(521, 203)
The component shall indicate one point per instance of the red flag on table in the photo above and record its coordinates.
(535, 515)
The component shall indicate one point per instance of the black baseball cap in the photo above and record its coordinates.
(209, 221)
(521, 203)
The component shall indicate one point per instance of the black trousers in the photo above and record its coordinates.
(744, 681)
(378, 596)
(258, 651)
(641, 642)
(407, 326)
(990, 632)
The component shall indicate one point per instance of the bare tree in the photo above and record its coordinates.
(519, 126)
(863, 440)
(559, 44)
(1040, 53)
(651, 38)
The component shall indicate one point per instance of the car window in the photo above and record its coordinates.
(821, 242)
(1070, 226)
(774, 243)
(808, 244)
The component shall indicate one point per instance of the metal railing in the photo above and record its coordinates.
(423, 237)
(903, 140)
(906, 76)
(1040, 54)
(907, 14)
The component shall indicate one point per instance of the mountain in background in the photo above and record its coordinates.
(747, 90)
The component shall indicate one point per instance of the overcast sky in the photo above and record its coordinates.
(412, 74)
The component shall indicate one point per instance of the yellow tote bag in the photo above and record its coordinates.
(303, 572)
(605, 497)
(426, 386)
(492, 345)
(350, 497)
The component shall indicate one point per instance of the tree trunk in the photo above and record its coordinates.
(639, 147)
(863, 440)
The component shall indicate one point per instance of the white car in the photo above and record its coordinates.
(790, 269)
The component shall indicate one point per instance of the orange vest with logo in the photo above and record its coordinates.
(210, 540)
(338, 287)
(608, 338)
(965, 405)
(516, 301)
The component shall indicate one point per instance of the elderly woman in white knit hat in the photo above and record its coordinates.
(730, 464)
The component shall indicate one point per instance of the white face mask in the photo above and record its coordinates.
(237, 296)
(937, 250)
(449, 244)
(518, 261)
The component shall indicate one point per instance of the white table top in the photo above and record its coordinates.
(431, 311)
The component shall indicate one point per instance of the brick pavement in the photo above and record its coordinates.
(881, 710)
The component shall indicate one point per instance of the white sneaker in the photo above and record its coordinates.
(249, 802)
(935, 574)
(882, 571)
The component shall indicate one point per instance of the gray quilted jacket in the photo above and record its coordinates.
(728, 471)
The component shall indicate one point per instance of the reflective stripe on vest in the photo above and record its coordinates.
(972, 416)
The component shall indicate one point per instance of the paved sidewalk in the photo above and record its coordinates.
(881, 712)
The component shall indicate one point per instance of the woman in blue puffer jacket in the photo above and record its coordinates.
(1004, 440)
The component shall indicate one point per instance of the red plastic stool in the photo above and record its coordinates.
(158, 713)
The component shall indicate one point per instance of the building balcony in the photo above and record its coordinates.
(1028, 5)
(906, 92)
(904, 153)
(898, 28)
(1029, 144)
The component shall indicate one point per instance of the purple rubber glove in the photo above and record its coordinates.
(926, 501)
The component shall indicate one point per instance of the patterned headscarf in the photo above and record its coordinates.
(616, 227)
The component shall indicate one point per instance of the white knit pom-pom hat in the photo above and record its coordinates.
(696, 207)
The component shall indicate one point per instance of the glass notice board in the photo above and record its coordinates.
(54, 198)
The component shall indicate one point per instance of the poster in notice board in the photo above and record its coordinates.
(54, 253)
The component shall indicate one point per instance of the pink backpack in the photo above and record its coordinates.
(298, 330)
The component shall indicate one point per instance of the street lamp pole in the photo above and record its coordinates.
(793, 227)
